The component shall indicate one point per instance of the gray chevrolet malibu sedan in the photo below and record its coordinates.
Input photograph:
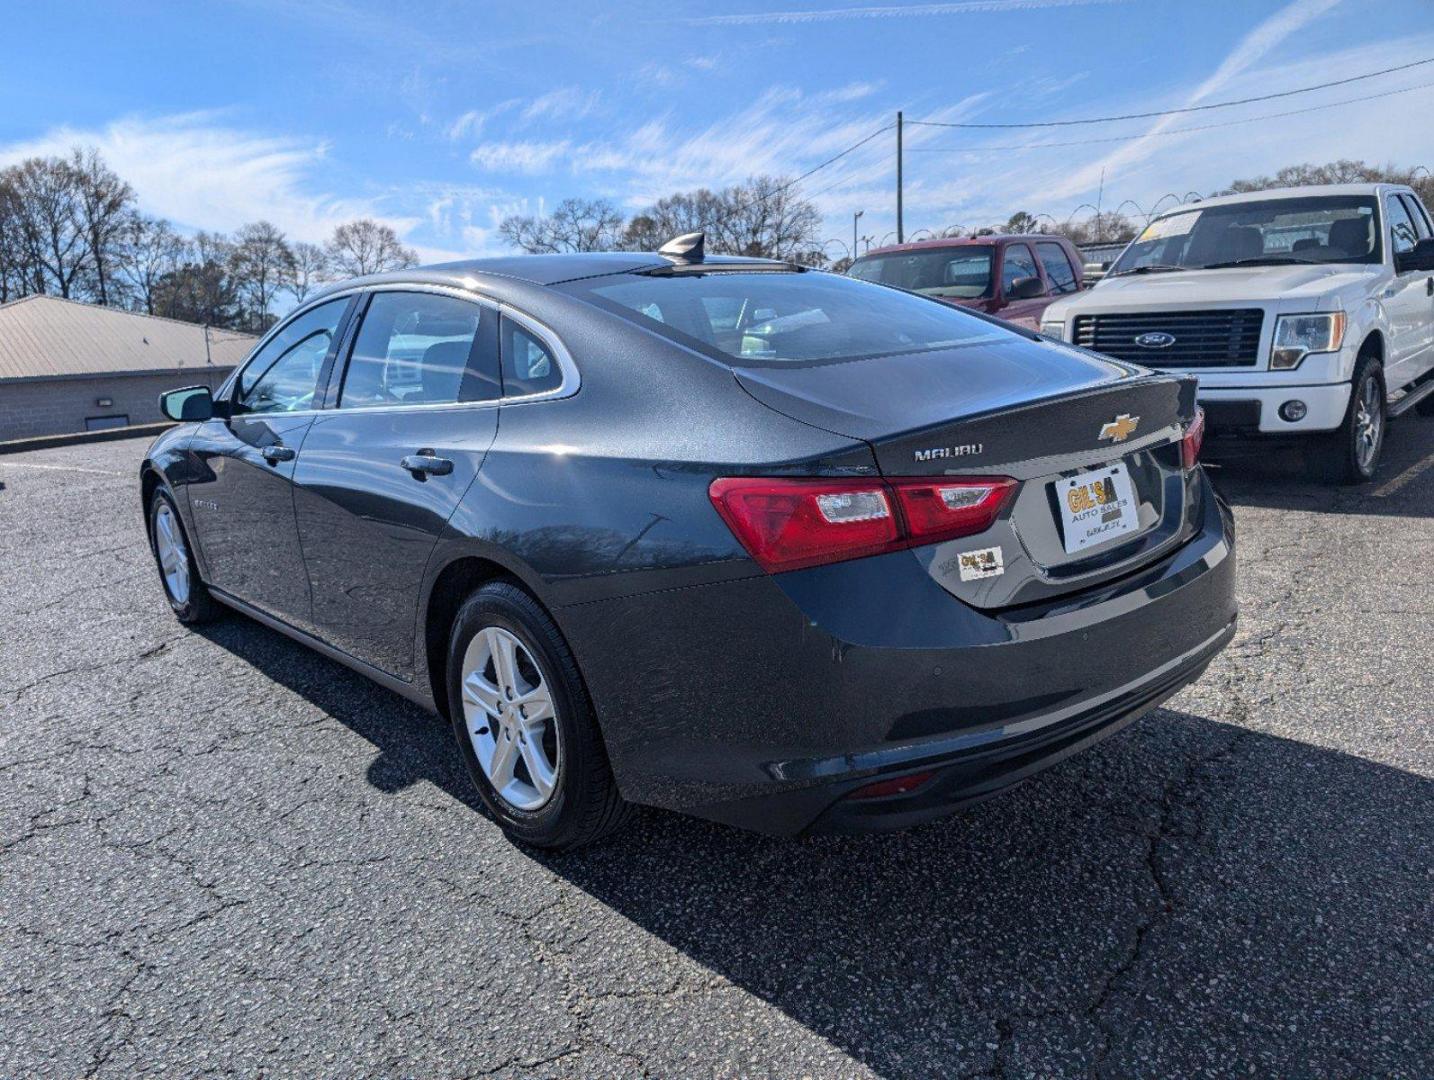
(727, 536)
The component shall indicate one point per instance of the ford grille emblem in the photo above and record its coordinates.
(1156, 340)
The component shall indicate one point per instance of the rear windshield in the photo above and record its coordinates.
(1318, 229)
(963, 273)
(761, 318)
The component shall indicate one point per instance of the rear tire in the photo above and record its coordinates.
(186, 592)
(1350, 454)
(524, 725)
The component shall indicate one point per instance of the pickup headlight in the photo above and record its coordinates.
(1296, 336)
(1056, 330)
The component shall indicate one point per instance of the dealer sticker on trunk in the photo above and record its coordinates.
(981, 563)
(1097, 506)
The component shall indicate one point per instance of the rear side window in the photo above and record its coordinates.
(760, 318)
(1019, 264)
(529, 366)
(283, 375)
(418, 348)
(1059, 271)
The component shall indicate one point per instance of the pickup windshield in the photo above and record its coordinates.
(963, 273)
(1318, 229)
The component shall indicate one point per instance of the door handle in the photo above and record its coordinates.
(423, 464)
(275, 454)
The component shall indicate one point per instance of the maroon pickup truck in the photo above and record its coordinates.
(1015, 277)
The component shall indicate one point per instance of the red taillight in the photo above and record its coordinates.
(897, 785)
(1194, 436)
(944, 509)
(787, 524)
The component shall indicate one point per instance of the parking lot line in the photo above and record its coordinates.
(1393, 485)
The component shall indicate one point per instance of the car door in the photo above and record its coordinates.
(1406, 300)
(241, 494)
(1423, 360)
(414, 411)
(1018, 262)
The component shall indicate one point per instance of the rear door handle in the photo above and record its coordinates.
(275, 454)
(424, 464)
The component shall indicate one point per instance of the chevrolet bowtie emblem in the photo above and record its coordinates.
(1121, 428)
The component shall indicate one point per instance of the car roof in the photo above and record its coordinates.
(960, 241)
(532, 269)
(1308, 191)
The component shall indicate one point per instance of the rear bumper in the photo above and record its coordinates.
(764, 702)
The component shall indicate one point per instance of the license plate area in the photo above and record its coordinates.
(1096, 507)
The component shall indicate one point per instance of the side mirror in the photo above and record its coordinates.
(1421, 259)
(190, 404)
(1026, 288)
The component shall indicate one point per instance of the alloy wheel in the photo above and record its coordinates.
(173, 555)
(511, 720)
(1368, 424)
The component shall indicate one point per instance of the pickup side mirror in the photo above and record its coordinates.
(1421, 259)
(190, 404)
(1026, 288)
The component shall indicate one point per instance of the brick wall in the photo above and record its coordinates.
(60, 406)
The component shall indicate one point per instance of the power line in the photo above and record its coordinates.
(1186, 109)
(1168, 131)
(796, 180)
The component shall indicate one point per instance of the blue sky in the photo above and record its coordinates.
(442, 117)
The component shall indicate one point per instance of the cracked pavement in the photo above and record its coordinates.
(221, 854)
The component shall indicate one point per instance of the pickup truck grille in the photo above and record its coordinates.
(1202, 338)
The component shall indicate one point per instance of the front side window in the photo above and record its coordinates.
(1269, 232)
(1019, 264)
(416, 348)
(284, 374)
(961, 272)
(1416, 214)
(529, 366)
(1059, 271)
(783, 317)
(1402, 234)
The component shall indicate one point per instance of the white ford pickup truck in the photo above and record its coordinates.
(1302, 311)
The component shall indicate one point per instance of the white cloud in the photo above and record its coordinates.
(1253, 47)
(564, 103)
(202, 173)
(888, 11)
(518, 157)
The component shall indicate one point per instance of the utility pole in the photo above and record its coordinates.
(900, 232)
(854, 218)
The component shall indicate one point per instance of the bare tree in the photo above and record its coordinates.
(684, 212)
(104, 202)
(50, 221)
(202, 289)
(1343, 171)
(148, 250)
(574, 225)
(19, 273)
(310, 267)
(365, 246)
(261, 264)
(762, 218)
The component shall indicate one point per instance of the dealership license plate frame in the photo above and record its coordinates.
(1107, 511)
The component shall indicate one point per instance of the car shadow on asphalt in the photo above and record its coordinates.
(1189, 888)
(1274, 474)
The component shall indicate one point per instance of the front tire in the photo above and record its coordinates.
(524, 725)
(186, 592)
(1350, 454)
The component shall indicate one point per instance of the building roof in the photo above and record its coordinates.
(46, 337)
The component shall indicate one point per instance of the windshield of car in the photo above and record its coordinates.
(961, 272)
(763, 317)
(1318, 229)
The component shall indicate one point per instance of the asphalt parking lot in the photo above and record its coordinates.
(221, 854)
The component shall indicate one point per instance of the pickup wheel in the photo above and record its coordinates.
(1350, 454)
